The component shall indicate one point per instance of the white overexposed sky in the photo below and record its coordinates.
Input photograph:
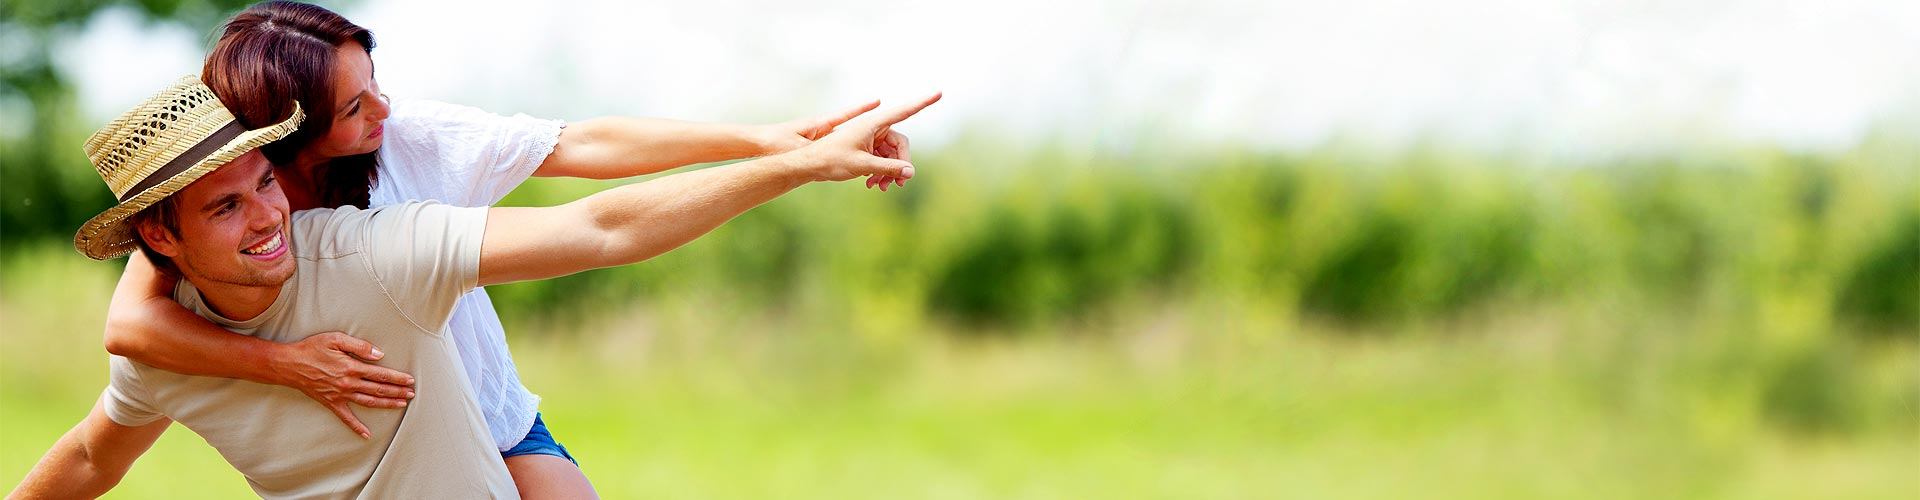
(1568, 75)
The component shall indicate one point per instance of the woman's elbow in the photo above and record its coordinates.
(123, 332)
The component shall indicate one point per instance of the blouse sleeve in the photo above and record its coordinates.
(462, 155)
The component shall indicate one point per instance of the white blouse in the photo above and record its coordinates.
(468, 157)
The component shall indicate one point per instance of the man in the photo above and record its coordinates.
(199, 200)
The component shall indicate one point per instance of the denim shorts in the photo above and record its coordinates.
(539, 442)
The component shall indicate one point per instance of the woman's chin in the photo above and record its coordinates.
(369, 146)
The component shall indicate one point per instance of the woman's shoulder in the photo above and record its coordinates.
(423, 139)
(429, 113)
(441, 150)
(425, 129)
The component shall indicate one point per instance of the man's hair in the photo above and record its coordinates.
(165, 213)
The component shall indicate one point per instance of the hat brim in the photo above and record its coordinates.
(110, 234)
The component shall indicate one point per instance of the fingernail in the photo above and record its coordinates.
(377, 353)
(403, 404)
(409, 394)
(906, 173)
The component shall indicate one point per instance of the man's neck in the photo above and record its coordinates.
(237, 302)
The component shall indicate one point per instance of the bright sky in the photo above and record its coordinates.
(1569, 75)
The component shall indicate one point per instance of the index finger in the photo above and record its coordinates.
(872, 122)
(842, 117)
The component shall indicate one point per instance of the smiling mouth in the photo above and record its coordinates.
(266, 247)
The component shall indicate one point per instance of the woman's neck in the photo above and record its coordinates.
(301, 182)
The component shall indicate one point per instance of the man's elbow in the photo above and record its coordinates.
(102, 482)
(93, 481)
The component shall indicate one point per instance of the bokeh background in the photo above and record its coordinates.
(1213, 249)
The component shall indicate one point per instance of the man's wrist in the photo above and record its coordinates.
(794, 167)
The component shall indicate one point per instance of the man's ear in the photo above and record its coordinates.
(158, 238)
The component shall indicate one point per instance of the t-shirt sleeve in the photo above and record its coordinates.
(425, 256)
(125, 400)
(463, 155)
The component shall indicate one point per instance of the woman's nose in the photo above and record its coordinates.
(381, 108)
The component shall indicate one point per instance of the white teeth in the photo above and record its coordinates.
(265, 246)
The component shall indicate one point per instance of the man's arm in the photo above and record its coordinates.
(90, 459)
(619, 147)
(638, 221)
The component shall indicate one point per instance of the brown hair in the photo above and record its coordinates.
(278, 52)
(164, 213)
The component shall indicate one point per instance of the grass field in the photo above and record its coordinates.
(674, 399)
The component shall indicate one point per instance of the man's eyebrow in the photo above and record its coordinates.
(217, 202)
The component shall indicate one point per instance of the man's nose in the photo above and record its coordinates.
(261, 214)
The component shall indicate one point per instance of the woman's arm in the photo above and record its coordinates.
(635, 222)
(145, 324)
(619, 147)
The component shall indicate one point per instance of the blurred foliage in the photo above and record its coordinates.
(1360, 238)
(44, 127)
(1874, 293)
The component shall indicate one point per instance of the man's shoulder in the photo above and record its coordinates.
(328, 232)
(425, 251)
(335, 232)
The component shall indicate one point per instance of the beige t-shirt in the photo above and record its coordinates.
(390, 275)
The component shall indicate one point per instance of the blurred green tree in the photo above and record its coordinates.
(45, 188)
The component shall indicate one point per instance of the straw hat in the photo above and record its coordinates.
(159, 147)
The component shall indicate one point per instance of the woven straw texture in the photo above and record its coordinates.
(153, 133)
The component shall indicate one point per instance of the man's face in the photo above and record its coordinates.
(232, 227)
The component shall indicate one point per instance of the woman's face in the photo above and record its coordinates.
(358, 107)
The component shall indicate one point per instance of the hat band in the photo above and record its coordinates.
(192, 157)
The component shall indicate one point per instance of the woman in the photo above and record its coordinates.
(356, 147)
